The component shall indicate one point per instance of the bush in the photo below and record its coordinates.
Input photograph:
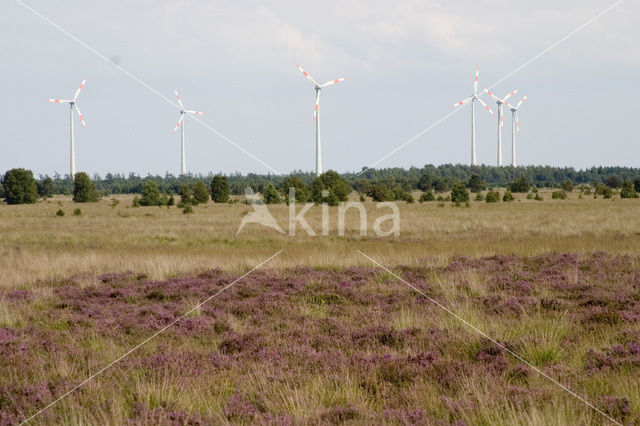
(338, 189)
(559, 195)
(187, 209)
(114, 202)
(135, 202)
(220, 189)
(60, 212)
(567, 185)
(425, 183)
(171, 201)
(507, 197)
(379, 192)
(301, 193)
(46, 187)
(538, 197)
(427, 196)
(20, 187)
(459, 193)
(84, 191)
(492, 197)
(200, 193)
(520, 184)
(479, 197)
(440, 185)
(150, 194)
(77, 212)
(270, 195)
(186, 196)
(530, 196)
(399, 194)
(636, 184)
(628, 191)
(475, 184)
(607, 192)
(613, 182)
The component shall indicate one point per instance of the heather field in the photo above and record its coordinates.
(320, 334)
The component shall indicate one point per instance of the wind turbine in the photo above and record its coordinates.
(473, 100)
(515, 125)
(316, 115)
(73, 106)
(500, 119)
(181, 122)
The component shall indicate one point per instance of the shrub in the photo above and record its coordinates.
(171, 201)
(20, 187)
(628, 191)
(200, 193)
(220, 189)
(636, 184)
(427, 196)
(567, 185)
(187, 209)
(507, 197)
(559, 195)
(77, 212)
(425, 183)
(492, 197)
(186, 196)
(60, 212)
(475, 184)
(135, 202)
(270, 195)
(114, 202)
(150, 194)
(440, 185)
(479, 197)
(302, 195)
(379, 192)
(84, 191)
(459, 193)
(399, 194)
(538, 197)
(530, 196)
(607, 192)
(613, 182)
(338, 188)
(362, 198)
(520, 184)
(46, 187)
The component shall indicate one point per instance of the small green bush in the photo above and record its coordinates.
(135, 202)
(60, 212)
(538, 197)
(459, 193)
(187, 209)
(507, 197)
(559, 195)
(201, 193)
(492, 197)
(520, 184)
(530, 196)
(628, 191)
(479, 197)
(77, 212)
(427, 196)
(270, 195)
(84, 191)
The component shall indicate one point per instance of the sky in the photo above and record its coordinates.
(407, 62)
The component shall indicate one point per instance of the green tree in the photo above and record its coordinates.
(507, 197)
(84, 191)
(338, 188)
(150, 194)
(475, 184)
(628, 191)
(270, 195)
(186, 196)
(425, 182)
(567, 185)
(492, 197)
(200, 192)
(520, 184)
(636, 184)
(46, 187)
(459, 193)
(302, 195)
(440, 185)
(220, 189)
(379, 192)
(20, 187)
(427, 196)
(613, 181)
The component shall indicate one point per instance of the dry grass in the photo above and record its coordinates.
(160, 242)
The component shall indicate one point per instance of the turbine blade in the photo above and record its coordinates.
(80, 115)
(60, 101)
(195, 112)
(179, 100)
(521, 101)
(517, 123)
(315, 109)
(485, 106)
(179, 123)
(475, 82)
(462, 102)
(336, 81)
(511, 94)
(79, 89)
(502, 121)
(306, 74)
(495, 98)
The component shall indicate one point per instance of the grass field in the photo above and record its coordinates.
(320, 334)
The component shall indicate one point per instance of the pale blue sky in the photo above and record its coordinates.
(407, 62)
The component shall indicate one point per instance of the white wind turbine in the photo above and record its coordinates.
(515, 126)
(473, 100)
(72, 103)
(500, 119)
(316, 115)
(181, 122)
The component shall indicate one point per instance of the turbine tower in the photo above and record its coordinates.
(515, 126)
(473, 100)
(73, 105)
(316, 115)
(183, 111)
(500, 119)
